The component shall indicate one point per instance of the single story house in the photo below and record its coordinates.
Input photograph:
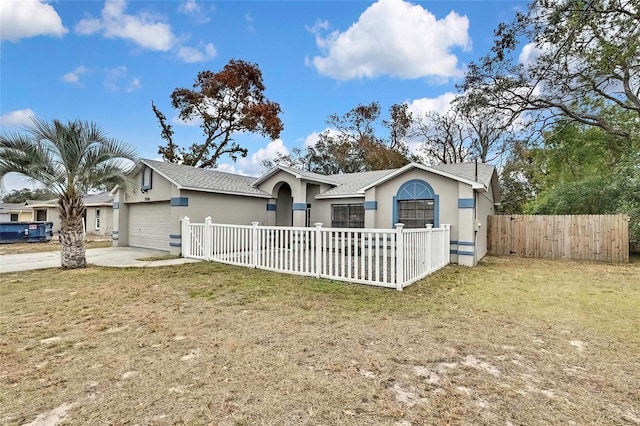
(15, 212)
(98, 215)
(462, 195)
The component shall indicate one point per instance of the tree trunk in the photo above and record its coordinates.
(72, 254)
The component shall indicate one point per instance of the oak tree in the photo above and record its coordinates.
(564, 59)
(353, 143)
(224, 104)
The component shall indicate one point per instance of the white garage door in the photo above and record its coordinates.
(150, 225)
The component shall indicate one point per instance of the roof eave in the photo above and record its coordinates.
(105, 204)
(475, 185)
(219, 191)
(136, 169)
(321, 197)
(293, 173)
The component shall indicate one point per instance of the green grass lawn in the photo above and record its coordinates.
(513, 341)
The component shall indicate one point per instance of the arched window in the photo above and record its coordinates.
(416, 205)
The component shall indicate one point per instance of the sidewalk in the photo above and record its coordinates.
(121, 257)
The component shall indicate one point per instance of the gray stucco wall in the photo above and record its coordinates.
(447, 190)
(486, 208)
(224, 208)
(160, 190)
(321, 212)
(106, 220)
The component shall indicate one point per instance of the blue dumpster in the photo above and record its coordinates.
(25, 232)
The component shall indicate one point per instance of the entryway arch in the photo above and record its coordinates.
(284, 204)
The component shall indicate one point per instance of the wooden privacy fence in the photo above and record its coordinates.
(391, 258)
(603, 238)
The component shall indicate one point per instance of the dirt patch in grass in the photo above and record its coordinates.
(155, 258)
(20, 248)
(514, 341)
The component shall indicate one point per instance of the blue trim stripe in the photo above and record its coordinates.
(461, 252)
(466, 203)
(115, 232)
(175, 244)
(179, 201)
(272, 207)
(466, 243)
(175, 236)
(371, 205)
(114, 237)
(116, 205)
(299, 206)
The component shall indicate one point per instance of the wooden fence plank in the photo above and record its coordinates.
(602, 238)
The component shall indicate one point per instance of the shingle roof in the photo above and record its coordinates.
(351, 183)
(311, 175)
(102, 198)
(348, 184)
(14, 207)
(207, 180)
(468, 171)
(52, 201)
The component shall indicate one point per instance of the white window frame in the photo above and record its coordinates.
(97, 227)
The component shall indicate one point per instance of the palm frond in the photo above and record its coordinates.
(70, 159)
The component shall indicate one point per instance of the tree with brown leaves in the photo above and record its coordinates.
(225, 103)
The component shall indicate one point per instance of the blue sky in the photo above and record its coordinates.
(105, 61)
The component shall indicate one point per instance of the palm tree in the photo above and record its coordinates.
(70, 160)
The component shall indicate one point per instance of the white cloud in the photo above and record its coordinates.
(189, 7)
(530, 52)
(194, 10)
(194, 54)
(74, 76)
(249, 20)
(313, 137)
(396, 38)
(88, 26)
(28, 18)
(117, 80)
(17, 118)
(252, 165)
(440, 105)
(144, 29)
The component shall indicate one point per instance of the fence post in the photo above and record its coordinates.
(186, 238)
(255, 249)
(208, 239)
(429, 247)
(447, 244)
(318, 259)
(399, 257)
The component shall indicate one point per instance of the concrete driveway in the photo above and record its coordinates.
(109, 256)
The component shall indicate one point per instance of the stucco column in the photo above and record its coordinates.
(179, 209)
(466, 234)
(120, 232)
(299, 194)
(370, 208)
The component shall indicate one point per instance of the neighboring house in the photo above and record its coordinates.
(45, 211)
(15, 212)
(98, 218)
(462, 195)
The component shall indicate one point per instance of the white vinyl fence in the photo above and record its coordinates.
(391, 258)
